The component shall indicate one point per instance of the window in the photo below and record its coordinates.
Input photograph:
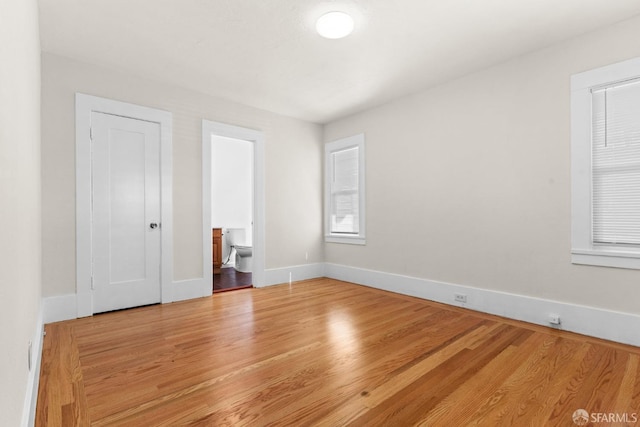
(605, 143)
(344, 190)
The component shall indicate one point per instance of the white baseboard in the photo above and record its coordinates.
(191, 288)
(592, 321)
(33, 380)
(60, 307)
(294, 273)
(65, 307)
(611, 325)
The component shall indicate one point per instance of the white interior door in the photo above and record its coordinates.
(125, 227)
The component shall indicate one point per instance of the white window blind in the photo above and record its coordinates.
(616, 164)
(344, 192)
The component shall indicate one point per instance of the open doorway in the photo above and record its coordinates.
(232, 212)
(233, 178)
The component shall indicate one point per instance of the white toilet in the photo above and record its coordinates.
(240, 240)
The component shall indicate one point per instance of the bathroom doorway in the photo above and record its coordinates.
(232, 212)
(256, 140)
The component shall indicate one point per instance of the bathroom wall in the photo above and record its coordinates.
(20, 213)
(469, 182)
(231, 187)
(291, 186)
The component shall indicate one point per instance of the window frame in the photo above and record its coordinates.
(583, 249)
(355, 141)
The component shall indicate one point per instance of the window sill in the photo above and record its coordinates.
(607, 257)
(350, 240)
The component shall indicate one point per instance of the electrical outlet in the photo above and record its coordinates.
(460, 297)
(554, 319)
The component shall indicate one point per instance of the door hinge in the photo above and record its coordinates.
(91, 133)
(92, 288)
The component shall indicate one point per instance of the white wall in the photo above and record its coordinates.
(231, 189)
(19, 202)
(469, 183)
(231, 183)
(291, 187)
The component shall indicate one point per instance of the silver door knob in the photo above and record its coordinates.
(153, 225)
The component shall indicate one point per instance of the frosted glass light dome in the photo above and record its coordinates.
(334, 25)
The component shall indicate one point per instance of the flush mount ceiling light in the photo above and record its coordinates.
(334, 25)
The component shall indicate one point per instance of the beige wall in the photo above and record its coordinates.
(469, 182)
(19, 200)
(292, 161)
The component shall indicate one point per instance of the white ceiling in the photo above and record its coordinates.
(265, 53)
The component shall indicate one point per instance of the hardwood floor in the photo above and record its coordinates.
(229, 279)
(324, 352)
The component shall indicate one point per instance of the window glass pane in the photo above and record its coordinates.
(616, 164)
(344, 197)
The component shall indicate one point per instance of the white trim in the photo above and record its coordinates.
(592, 321)
(65, 307)
(210, 128)
(583, 250)
(207, 255)
(350, 240)
(276, 276)
(85, 105)
(33, 379)
(191, 288)
(606, 257)
(60, 307)
(338, 145)
(604, 75)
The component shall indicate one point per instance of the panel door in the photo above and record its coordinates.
(126, 228)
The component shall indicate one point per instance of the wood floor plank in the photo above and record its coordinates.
(61, 394)
(479, 391)
(563, 360)
(324, 352)
(419, 397)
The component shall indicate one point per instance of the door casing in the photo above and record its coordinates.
(85, 105)
(210, 128)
